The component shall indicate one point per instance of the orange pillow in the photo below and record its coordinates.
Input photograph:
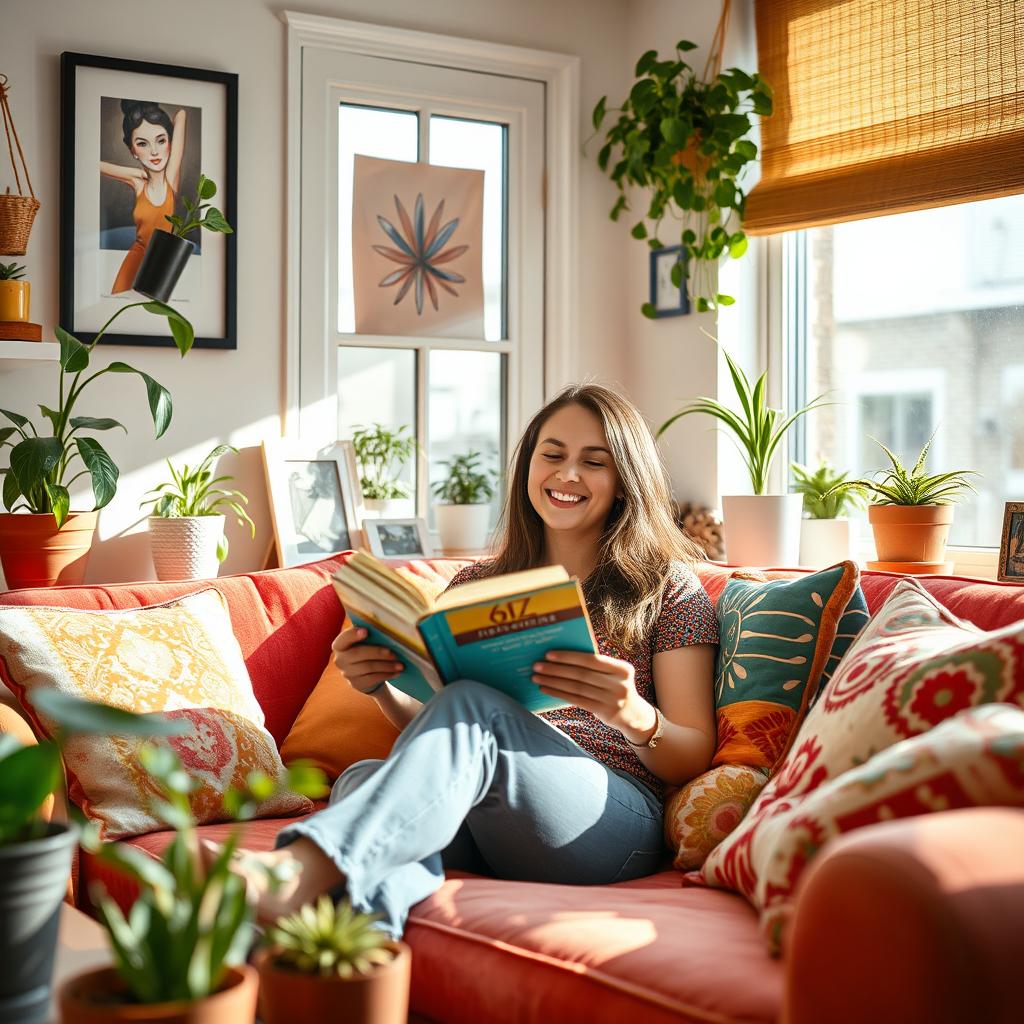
(338, 726)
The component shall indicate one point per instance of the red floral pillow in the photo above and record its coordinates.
(914, 666)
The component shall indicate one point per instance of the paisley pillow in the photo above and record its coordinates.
(180, 658)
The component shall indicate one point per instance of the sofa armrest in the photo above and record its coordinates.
(917, 920)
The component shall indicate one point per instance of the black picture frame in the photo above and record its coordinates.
(661, 263)
(226, 200)
(1011, 546)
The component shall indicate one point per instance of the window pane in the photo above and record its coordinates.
(368, 131)
(915, 325)
(480, 146)
(378, 385)
(465, 412)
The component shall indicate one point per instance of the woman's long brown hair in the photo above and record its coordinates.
(624, 591)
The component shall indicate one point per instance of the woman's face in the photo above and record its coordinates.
(572, 481)
(151, 146)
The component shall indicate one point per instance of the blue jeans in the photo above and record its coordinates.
(478, 783)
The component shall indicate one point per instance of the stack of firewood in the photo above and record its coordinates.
(704, 525)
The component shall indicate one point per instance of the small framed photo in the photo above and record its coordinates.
(135, 138)
(315, 502)
(398, 538)
(666, 298)
(1011, 548)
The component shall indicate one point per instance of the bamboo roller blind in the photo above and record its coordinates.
(884, 106)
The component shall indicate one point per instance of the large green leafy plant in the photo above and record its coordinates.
(757, 428)
(189, 923)
(194, 492)
(683, 141)
(467, 482)
(818, 486)
(898, 485)
(382, 454)
(43, 467)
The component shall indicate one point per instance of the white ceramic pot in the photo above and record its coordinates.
(386, 508)
(824, 542)
(762, 529)
(185, 548)
(463, 528)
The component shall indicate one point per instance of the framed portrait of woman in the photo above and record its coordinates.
(135, 138)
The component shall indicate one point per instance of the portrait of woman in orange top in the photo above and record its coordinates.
(156, 144)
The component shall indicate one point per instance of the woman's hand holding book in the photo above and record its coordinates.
(366, 667)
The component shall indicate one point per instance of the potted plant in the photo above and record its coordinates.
(465, 495)
(682, 140)
(911, 512)
(50, 543)
(168, 251)
(328, 962)
(382, 455)
(825, 533)
(179, 955)
(14, 293)
(760, 529)
(36, 854)
(186, 529)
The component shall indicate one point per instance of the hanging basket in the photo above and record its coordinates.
(17, 212)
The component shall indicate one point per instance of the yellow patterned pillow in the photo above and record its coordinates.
(180, 658)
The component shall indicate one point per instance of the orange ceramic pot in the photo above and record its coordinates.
(380, 997)
(94, 998)
(34, 553)
(14, 300)
(910, 533)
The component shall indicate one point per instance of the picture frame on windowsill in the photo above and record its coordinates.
(315, 501)
(398, 538)
(665, 297)
(1011, 547)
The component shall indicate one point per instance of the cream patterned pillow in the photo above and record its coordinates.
(180, 658)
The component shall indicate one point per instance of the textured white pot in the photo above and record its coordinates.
(762, 529)
(824, 542)
(185, 548)
(463, 528)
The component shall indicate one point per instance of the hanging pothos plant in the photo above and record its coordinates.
(683, 139)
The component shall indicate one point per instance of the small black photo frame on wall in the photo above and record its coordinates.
(1011, 548)
(135, 138)
(666, 298)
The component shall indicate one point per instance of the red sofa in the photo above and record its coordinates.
(912, 921)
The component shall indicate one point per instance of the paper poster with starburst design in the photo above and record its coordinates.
(417, 236)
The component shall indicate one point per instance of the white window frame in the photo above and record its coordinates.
(560, 75)
(979, 562)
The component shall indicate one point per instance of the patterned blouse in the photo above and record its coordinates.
(687, 617)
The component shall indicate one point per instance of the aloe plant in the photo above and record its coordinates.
(11, 271)
(821, 500)
(900, 486)
(329, 940)
(194, 492)
(758, 427)
(187, 925)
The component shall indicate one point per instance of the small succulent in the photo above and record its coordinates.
(11, 271)
(821, 500)
(329, 940)
(900, 486)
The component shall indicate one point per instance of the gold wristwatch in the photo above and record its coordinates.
(659, 728)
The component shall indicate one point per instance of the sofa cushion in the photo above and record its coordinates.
(645, 950)
(338, 726)
(179, 658)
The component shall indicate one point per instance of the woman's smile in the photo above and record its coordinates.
(564, 499)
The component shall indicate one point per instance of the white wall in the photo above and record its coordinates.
(237, 396)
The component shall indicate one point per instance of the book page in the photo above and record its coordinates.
(502, 586)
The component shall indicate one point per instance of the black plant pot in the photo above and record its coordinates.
(33, 882)
(162, 263)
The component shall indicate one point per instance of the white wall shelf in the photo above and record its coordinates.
(29, 349)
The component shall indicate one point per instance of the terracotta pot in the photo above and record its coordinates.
(92, 998)
(14, 300)
(34, 553)
(910, 533)
(290, 997)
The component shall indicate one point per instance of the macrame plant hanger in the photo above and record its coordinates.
(714, 61)
(17, 212)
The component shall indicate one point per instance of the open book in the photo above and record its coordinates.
(491, 630)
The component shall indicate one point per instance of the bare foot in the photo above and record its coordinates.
(303, 868)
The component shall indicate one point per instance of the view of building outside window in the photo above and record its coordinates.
(915, 325)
